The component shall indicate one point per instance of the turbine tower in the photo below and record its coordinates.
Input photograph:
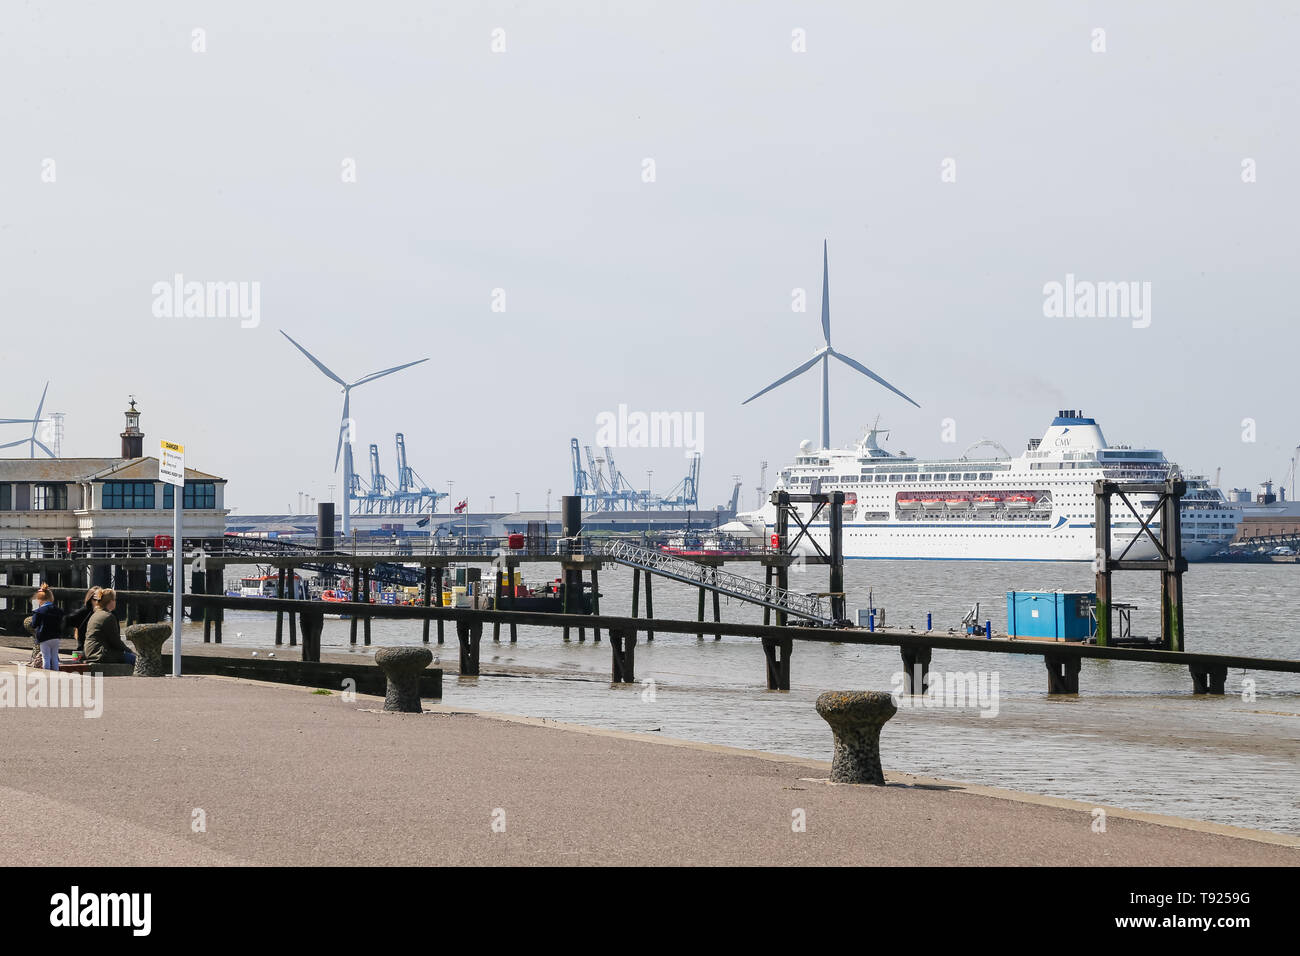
(344, 447)
(32, 442)
(824, 355)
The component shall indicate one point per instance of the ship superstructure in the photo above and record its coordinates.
(1037, 506)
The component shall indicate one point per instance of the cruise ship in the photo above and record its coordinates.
(1038, 506)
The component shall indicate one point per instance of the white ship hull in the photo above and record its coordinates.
(1044, 506)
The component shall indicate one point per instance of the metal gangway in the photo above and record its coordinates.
(705, 576)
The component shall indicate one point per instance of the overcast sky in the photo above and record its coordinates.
(524, 171)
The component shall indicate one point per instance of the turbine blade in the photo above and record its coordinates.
(870, 374)
(388, 371)
(13, 444)
(785, 378)
(42, 404)
(18, 421)
(826, 295)
(343, 424)
(314, 361)
(41, 445)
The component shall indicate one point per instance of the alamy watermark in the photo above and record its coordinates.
(179, 299)
(949, 689)
(625, 429)
(1085, 299)
(42, 688)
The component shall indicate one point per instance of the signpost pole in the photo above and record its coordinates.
(178, 580)
(171, 469)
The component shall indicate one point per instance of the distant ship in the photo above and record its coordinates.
(1038, 506)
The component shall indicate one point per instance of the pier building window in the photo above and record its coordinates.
(6, 497)
(198, 494)
(49, 497)
(128, 495)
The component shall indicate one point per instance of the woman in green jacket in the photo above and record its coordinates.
(103, 638)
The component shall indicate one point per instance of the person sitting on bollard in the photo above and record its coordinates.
(47, 623)
(103, 637)
(79, 618)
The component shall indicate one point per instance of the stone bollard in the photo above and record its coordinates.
(148, 640)
(402, 667)
(36, 660)
(856, 717)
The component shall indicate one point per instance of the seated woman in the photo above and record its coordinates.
(103, 638)
(78, 619)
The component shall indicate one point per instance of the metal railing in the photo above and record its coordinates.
(714, 579)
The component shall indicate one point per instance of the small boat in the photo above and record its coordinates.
(958, 502)
(268, 586)
(932, 503)
(908, 504)
(986, 502)
(1021, 502)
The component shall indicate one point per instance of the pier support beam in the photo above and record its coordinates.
(700, 617)
(777, 652)
(916, 669)
(717, 614)
(356, 597)
(313, 622)
(595, 605)
(426, 599)
(437, 576)
(767, 611)
(1207, 679)
(217, 585)
(1062, 673)
(365, 594)
(469, 633)
(622, 647)
(649, 605)
(279, 615)
(291, 577)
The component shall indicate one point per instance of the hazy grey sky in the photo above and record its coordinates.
(523, 171)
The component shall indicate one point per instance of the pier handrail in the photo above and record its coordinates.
(715, 579)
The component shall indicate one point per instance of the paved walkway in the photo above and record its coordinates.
(280, 775)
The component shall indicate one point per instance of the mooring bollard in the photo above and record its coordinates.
(856, 717)
(402, 667)
(148, 640)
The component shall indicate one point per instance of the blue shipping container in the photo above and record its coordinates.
(1050, 615)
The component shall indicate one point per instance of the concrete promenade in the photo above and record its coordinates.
(281, 775)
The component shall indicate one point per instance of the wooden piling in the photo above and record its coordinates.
(437, 575)
(649, 605)
(365, 590)
(699, 616)
(426, 598)
(279, 615)
(293, 618)
(356, 598)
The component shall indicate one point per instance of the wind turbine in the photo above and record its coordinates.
(824, 355)
(344, 448)
(32, 442)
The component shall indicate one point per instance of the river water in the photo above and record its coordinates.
(1134, 737)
